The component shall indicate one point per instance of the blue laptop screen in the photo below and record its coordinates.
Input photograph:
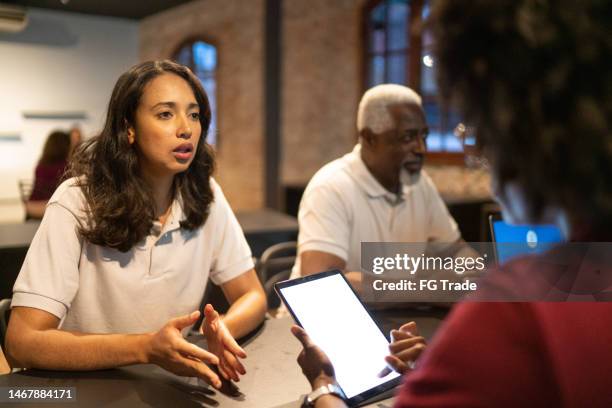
(529, 239)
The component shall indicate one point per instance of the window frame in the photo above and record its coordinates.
(413, 68)
(210, 41)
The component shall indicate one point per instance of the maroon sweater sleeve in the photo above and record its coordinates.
(47, 178)
(486, 355)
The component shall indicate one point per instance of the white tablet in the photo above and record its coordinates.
(326, 306)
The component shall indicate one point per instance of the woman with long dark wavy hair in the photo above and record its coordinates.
(126, 248)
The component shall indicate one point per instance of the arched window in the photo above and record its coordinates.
(201, 58)
(398, 51)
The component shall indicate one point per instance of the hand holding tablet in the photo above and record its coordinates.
(335, 319)
(315, 364)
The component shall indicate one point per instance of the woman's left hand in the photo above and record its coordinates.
(223, 345)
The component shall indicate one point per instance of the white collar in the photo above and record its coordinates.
(366, 180)
(174, 218)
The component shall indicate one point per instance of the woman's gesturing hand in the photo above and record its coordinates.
(223, 345)
(168, 349)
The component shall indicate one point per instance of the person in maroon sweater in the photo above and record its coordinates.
(533, 78)
(49, 172)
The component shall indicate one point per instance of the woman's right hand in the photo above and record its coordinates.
(168, 349)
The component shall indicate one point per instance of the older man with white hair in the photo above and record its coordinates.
(376, 193)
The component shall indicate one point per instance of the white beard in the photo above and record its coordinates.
(409, 179)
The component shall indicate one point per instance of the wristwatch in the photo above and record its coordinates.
(310, 399)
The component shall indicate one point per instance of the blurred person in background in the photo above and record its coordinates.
(49, 172)
(378, 192)
(76, 137)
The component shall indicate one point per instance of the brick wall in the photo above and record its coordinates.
(320, 89)
(236, 28)
(322, 80)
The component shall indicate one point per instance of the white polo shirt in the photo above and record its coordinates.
(344, 205)
(96, 289)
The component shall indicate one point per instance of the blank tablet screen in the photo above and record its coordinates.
(335, 319)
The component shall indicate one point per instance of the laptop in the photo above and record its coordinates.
(510, 241)
(328, 308)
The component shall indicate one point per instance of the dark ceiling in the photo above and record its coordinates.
(133, 9)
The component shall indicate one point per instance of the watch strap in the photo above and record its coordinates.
(333, 389)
